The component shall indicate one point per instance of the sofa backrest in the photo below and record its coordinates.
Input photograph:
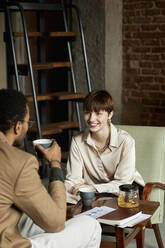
(150, 159)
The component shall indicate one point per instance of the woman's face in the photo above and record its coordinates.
(97, 121)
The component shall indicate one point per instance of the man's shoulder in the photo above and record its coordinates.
(17, 158)
(22, 156)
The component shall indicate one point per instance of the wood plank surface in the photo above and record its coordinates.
(57, 95)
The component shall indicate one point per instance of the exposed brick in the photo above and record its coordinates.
(144, 61)
(160, 4)
(150, 71)
(134, 64)
(127, 20)
(142, 20)
(130, 13)
(150, 42)
(131, 28)
(160, 110)
(158, 50)
(162, 102)
(163, 88)
(163, 72)
(148, 35)
(146, 64)
(136, 100)
(160, 79)
(139, 5)
(131, 42)
(150, 27)
(151, 12)
(151, 101)
(162, 27)
(141, 49)
(159, 19)
(150, 86)
(131, 72)
(162, 42)
(146, 79)
(151, 57)
(159, 65)
(163, 12)
(136, 93)
(131, 56)
(163, 56)
(157, 95)
(128, 35)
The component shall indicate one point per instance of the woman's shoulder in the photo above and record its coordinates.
(79, 137)
(123, 135)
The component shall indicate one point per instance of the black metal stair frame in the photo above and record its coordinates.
(22, 7)
(9, 7)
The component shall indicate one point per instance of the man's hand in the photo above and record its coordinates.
(51, 154)
(74, 190)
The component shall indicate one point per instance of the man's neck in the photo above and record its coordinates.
(10, 137)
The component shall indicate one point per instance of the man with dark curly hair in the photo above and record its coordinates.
(31, 216)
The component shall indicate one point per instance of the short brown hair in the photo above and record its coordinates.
(98, 100)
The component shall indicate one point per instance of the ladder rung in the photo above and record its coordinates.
(35, 6)
(55, 128)
(57, 95)
(50, 65)
(23, 68)
(66, 124)
(46, 34)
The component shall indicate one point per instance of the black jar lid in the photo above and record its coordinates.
(128, 187)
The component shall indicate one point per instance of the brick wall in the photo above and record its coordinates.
(144, 62)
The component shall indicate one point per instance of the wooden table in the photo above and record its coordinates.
(122, 240)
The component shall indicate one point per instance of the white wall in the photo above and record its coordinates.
(113, 53)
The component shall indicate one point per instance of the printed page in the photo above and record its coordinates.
(135, 221)
(97, 212)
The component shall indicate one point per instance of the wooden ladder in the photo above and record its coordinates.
(39, 93)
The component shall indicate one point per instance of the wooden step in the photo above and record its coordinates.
(46, 34)
(58, 96)
(23, 68)
(55, 128)
(66, 124)
(52, 130)
(50, 65)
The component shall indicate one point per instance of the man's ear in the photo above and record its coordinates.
(18, 127)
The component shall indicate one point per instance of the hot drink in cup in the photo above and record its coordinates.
(46, 143)
(87, 196)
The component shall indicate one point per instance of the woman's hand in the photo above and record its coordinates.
(74, 190)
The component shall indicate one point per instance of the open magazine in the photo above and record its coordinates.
(120, 217)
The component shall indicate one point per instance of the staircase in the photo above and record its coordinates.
(53, 101)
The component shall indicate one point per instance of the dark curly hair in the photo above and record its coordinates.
(98, 100)
(12, 108)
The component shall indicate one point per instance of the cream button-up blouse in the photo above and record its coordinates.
(105, 171)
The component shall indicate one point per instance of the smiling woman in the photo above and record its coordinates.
(103, 156)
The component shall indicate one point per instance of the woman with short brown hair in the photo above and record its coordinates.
(101, 157)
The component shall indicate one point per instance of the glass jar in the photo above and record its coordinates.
(128, 196)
